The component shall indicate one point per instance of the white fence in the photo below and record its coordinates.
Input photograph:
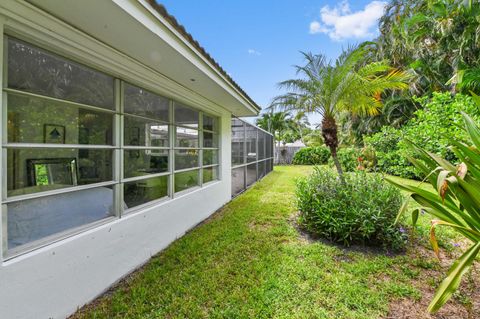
(284, 154)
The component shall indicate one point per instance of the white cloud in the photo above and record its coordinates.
(341, 23)
(253, 52)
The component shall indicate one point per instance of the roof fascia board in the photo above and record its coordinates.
(32, 24)
(169, 34)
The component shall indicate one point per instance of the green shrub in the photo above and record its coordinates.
(432, 126)
(438, 122)
(389, 157)
(361, 212)
(312, 156)
(348, 158)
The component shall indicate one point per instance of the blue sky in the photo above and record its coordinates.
(258, 41)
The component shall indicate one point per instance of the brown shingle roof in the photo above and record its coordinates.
(181, 29)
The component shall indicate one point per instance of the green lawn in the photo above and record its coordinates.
(249, 261)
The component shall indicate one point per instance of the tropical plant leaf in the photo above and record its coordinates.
(450, 284)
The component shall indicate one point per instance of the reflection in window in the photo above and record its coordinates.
(210, 139)
(35, 120)
(210, 123)
(145, 162)
(85, 131)
(142, 132)
(35, 70)
(37, 218)
(92, 166)
(145, 190)
(186, 116)
(60, 171)
(186, 137)
(210, 157)
(210, 174)
(186, 180)
(144, 103)
(186, 159)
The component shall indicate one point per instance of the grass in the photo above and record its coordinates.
(249, 261)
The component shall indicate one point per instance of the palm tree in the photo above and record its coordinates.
(344, 86)
(275, 123)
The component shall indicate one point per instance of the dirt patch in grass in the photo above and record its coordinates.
(465, 304)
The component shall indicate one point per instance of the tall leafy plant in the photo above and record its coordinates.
(347, 85)
(455, 202)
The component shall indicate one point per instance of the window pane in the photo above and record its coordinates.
(37, 218)
(238, 142)
(186, 159)
(186, 116)
(144, 191)
(33, 120)
(186, 137)
(251, 141)
(186, 180)
(35, 70)
(238, 180)
(141, 102)
(210, 174)
(141, 132)
(210, 139)
(37, 170)
(210, 157)
(144, 162)
(210, 123)
(251, 174)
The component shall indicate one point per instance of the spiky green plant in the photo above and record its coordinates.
(455, 202)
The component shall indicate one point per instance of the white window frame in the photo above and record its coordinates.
(118, 147)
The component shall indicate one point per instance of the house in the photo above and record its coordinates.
(116, 139)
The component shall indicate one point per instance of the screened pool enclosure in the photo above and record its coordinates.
(252, 155)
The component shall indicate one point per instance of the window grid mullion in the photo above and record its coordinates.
(58, 191)
(57, 100)
(144, 177)
(118, 138)
(60, 146)
(200, 144)
(134, 147)
(172, 132)
(143, 117)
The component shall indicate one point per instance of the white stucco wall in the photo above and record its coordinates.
(52, 282)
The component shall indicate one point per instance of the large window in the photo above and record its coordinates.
(252, 155)
(83, 147)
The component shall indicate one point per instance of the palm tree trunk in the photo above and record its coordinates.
(338, 165)
(330, 137)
